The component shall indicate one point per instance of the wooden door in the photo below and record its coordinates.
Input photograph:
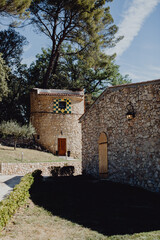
(103, 161)
(61, 146)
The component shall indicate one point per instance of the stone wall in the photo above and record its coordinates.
(51, 126)
(133, 146)
(24, 168)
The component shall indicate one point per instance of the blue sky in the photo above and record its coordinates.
(138, 54)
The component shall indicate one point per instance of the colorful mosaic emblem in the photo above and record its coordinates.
(62, 106)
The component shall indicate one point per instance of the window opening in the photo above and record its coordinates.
(62, 105)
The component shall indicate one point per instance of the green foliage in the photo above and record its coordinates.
(15, 7)
(38, 69)
(119, 80)
(4, 71)
(37, 176)
(11, 46)
(12, 128)
(67, 171)
(37, 173)
(87, 25)
(27, 131)
(77, 73)
(17, 198)
(16, 104)
(62, 171)
(54, 171)
(74, 72)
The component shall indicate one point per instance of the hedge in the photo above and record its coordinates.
(62, 171)
(17, 198)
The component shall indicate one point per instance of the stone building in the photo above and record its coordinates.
(54, 114)
(121, 135)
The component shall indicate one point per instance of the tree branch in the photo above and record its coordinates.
(47, 29)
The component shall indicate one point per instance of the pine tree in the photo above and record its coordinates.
(86, 24)
(11, 46)
(14, 7)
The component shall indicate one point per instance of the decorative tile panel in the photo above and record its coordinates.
(62, 105)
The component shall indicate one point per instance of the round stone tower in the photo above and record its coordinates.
(55, 115)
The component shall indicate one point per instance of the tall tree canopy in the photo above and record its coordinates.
(73, 72)
(15, 7)
(13, 106)
(16, 105)
(4, 71)
(87, 24)
(11, 46)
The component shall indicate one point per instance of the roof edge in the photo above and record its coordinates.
(137, 83)
(58, 92)
(119, 87)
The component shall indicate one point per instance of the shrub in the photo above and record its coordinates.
(37, 176)
(62, 171)
(55, 171)
(17, 198)
(67, 171)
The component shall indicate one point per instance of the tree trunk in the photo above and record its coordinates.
(15, 143)
(52, 66)
(55, 64)
(48, 72)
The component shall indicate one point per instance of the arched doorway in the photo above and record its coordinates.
(103, 161)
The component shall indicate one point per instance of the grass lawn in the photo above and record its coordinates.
(35, 223)
(8, 154)
(75, 208)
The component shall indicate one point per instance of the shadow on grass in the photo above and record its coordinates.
(108, 208)
(7, 149)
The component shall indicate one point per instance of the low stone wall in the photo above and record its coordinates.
(23, 168)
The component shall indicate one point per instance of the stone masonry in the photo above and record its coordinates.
(24, 168)
(55, 115)
(133, 146)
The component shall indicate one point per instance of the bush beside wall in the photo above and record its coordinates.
(17, 198)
